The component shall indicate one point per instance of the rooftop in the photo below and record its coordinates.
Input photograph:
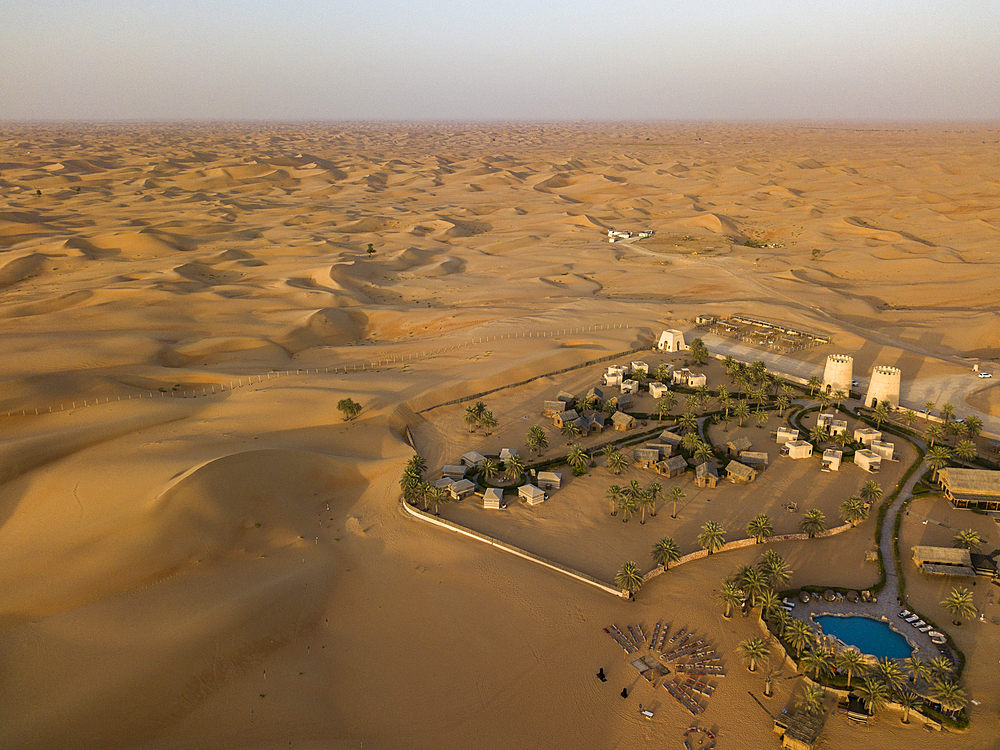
(971, 481)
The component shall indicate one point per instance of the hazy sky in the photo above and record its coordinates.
(499, 59)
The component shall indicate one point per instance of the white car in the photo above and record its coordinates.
(985, 375)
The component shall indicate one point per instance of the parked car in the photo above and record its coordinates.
(986, 375)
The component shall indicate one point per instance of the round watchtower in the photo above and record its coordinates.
(839, 373)
(884, 387)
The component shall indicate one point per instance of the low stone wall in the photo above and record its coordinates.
(517, 551)
(742, 543)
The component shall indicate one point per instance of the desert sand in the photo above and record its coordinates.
(190, 564)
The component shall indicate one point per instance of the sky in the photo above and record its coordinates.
(499, 60)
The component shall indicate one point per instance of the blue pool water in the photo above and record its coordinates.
(870, 636)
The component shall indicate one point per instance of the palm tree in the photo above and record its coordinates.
(676, 494)
(488, 469)
(873, 694)
(514, 467)
(653, 490)
(782, 402)
(754, 584)
(917, 668)
(851, 661)
(769, 604)
(890, 673)
(973, 426)
(853, 510)
(663, 373)
(569, 431)
(628, 504)
(726, 403)
(702, 451)
(937, 459)
(959, 604)
(928, 405)
(939, 667)
(628, 578)
(731, 595)
(665, 552)
(798, 634)
(814, 383)
(949, 695)
(761, 417)
(645, 502)
(813, 522)
(535, 440)
(712, 537)
(418, 463)
(753, 651)
(871, 492)
(614, 494)
(488, 422)
(760, 528)
(471, 418)
(775, 568)
(691, 403)
(968, 539)
(812, 698)
(907, 700)
(662, 408)
(880, 414)
(577, 457)
(742, 411)
(689, 441)
(909, 416)
(948, 412)
(817, 435)
(966, 449)
(687, 421)
(411, 485)
(839, 397)
(437, 497)
(817, 661)
(617, 463)
(933, 433)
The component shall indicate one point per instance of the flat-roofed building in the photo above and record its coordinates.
(636, 366)
(549, 480)
(885, 450)
(868, 460)
(783, 434)
(531, 494)
(630, 386)
(865, 435)
(797, 449)
(696, 379)
(971, 488)
(831, 459)
(949, 561)
(831, 424)
(658, 389)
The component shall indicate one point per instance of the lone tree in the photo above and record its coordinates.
(753, 652)
(628, 578)
(712, 537)
(760, 529)
(371, 249)
(699, 352)
(813, 522)
(349, 408)
(959, 604)
(968, 539)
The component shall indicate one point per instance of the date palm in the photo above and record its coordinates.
(928, 405)
(818, 661)
(937, 459)
(712, 537)
(917, 668)
(933, 433)
(436, 497)
(968, 539)
(839, 397)
(880, 414)
(754, 584)
(907, 700)
(812, 698)
(760, 528)
(782, 402)
(628, 505)
(818, 435)
(948, 412)
(628, 578)
(614, 494)
(973, 426)
(617, 463)
(966, 450)
(949, 695)
(536, 439)
(569, 431)
(851, 661)
(769, 604)
(939, 667)
(742, 411)
(488, 469)
(774, 567)
(814, 383)
(853, 510)
(702, 451)
(873, 694)
(753, 652)
(687, 421)
(665, 552)
(577, 457)
(798, 634)
(471, 418)
(488, 422)
(909, 417)
(514, 467)
(663, 373)
(691, 404)
(662, 408)
(676, 495)
(871, 491)
(645, 502)
(813, 522)
(761, 417)
(731, 596)
(653, 490)
(890, 673)
(960, 605)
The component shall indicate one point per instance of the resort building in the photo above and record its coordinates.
(838, 375)
(697, 379)
(831, 459)
(562, 419)
(624, 401)
(869, 461)
(672, 467)
(622, 421)
(865, 435)
(591, 424)
(594, 394)
(493, 499)
(738, 473)
(506, 454)
(531, 494)
(706, 475)
(885, 450)
(609, 379)
(454, 472)
(566, 397)
(636, 366)
(671, 341)
(736, 445)
(646, 458)
(756, 459)
(630, 386)
(443, 483)
(657, 389)
(831, 424)
(472, 459)
(797, 449)
(784, 434)
(971, 488)
(461, 488)
(549, 480)
(800, 730)
(671, 438)
(947, 561)
(551, 408)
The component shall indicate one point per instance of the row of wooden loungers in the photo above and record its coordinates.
(682, 696)
(699, 686)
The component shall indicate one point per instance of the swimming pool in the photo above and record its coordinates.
(870, 636)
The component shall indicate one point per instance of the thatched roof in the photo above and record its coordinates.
(675, 463)
(739, 444)
(670, 438)
(736, 469)
(941, 555)
(706, 470)
(753, 457)
(971, 481)
(622, 418)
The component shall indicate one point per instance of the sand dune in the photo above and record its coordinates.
(143, 606)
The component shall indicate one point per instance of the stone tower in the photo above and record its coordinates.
(839, 373)
(672, 341)
(884, 387)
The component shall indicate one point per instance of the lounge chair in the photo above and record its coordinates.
(918, 624)
(912, 619)
(925, 629)
(904, 614)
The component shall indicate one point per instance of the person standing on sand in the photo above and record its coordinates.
(624, 692)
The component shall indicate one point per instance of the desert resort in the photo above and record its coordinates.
(691, 454)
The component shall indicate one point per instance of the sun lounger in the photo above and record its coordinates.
(656, 635)
(918, 624)
(912, 618)
(925, 629)
(904, 614)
